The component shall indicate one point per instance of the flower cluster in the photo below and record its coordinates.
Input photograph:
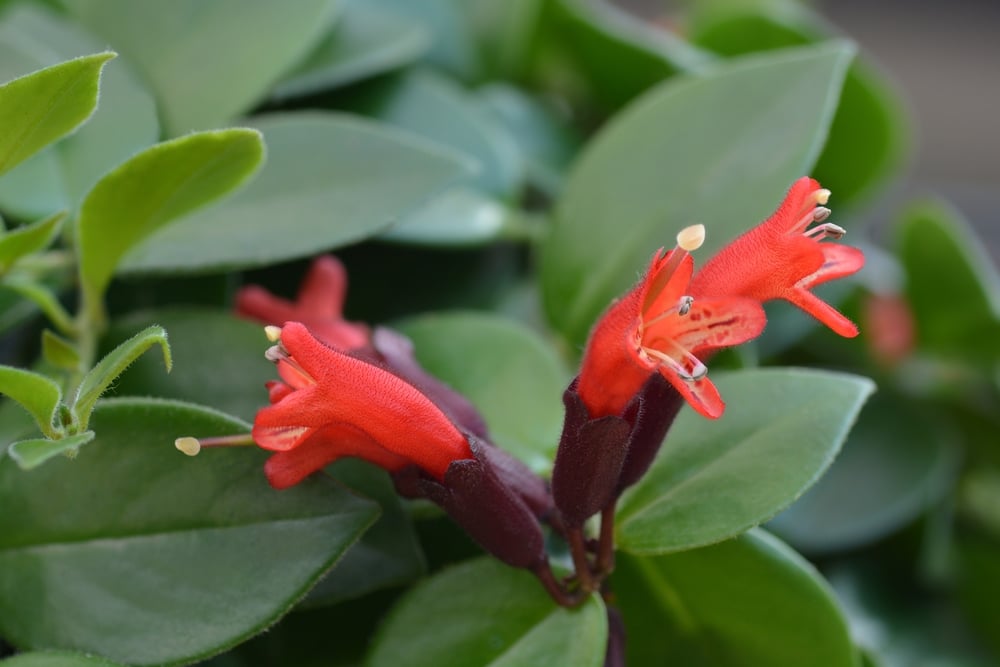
(350, 390)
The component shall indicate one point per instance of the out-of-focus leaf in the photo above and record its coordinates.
(28, 239)
(153, 188)
(36, 393)
(124, 122)
(452, 46)
(41, 107)
(715, 479)
(512, 377)
(459, 217)
(32, 453)
(363, 41)
(114, 363)
(178, 47)
(56, 659)
(618, 56)
(894, 465)
(719, 149)
(487, 614)
(748, 602)
(951, 284)
(178, 542)
(868, 133)
(59, 352)
(979, 583)
(330, 180)
(505, 34)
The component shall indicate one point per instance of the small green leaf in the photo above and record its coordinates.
(56, 659)
(154, 187)
(107, 370)
(43, 297)
(39, 108)
(28, 239)
(895, 464)
(720, 149)
(330, 179)
(364, 41)
(123, 124)
(748, 602)
(59, 352)
(513, 377)
(486, 614)
(175, 45)
(715, 479)
(951, 284)
(30, 454)
(36, 393)
(202, 547)
(218, 360)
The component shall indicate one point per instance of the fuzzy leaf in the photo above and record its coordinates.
(36, 393)
(28, 239)
(30, 454)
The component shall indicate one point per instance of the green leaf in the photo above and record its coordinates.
(978, 574)
(513, 377)
(28, 239)
(59, 352)
(42, 296)
(715, 479)
(39, 108)
(364, 41)
(868, 134)
(747, 602)
(483, 613)
(895, 464)
(330, 179)
(56, 659)
(124, 123)
(114, 363)
(175, 45)
(459, 217)
(951, 284)
(388, 554)
(218, 360)
(36, 393)
(154, 187)
(505, 33)
(720, 149)
(202, 547)
(452, 43)
(30, 454)
(618, 56)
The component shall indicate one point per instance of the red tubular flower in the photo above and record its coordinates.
(332, 405)
(782, 258)
(657, 328)
(320, 306)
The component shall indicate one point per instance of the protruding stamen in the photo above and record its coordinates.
(191, 446)
(826, 230)
(689, 367)
(273, 333)
(275, 353)
(691, 238)
(188, 445)
(684, 305)
(821, 196)
(821, 213)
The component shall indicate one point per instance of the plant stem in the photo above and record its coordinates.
(578, 549)
(606, 542)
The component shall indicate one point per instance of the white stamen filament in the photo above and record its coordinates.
(826, 230)
(697, 370)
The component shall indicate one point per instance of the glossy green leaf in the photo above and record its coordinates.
(388, 554)
(176, 46)
(154, 187)
(32, 453)
(720, 149)
(748, 602)
(218, 360)
(36, 393)
(951, 284)
(100, 377)
(180, 540)
(28, 239)
(329, 180)
(869, 131)
(459, 217)
(124, 123)
(618, 55)
(56, 659)
(39, 108)
(715, 479)
(364, 41)
(514, 378)
(484, 613)
(895, 464)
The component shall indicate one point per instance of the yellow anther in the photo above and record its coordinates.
(188, 445)
(691, 238)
